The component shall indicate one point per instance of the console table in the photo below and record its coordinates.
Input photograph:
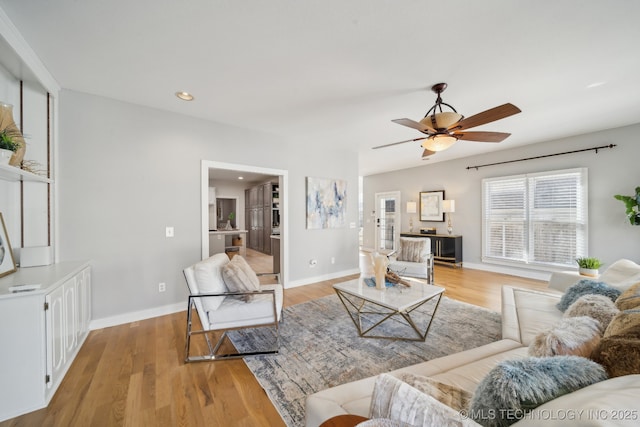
(446, 248)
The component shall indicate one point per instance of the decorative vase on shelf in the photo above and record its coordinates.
(7, 123)
(228, 226)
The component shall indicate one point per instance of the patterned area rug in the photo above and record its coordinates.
(320, 348)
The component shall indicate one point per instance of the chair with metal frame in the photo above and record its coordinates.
(221, 310)
(413, 259)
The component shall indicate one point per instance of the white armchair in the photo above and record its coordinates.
(227, 295)
(413, 258)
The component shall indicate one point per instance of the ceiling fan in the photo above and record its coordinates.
(445, 128)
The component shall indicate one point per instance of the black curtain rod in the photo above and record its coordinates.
(542, 157)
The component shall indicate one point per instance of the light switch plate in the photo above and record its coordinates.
(169, 231)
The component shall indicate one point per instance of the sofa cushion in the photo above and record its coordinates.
(587, 287)
(577, 336)
(235, 313)
(414, 249)
(523, 384)
(464, 370)
(240, 277)
(452, 396)
(619, 349)
(396, 400)
(630, 298)
(598, 307)
(208, 276)
(613, 402)
(526, 313)
(621, 274)
(380, 422)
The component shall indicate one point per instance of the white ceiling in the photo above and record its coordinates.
(335, 72)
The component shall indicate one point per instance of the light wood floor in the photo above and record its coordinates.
(134, 375)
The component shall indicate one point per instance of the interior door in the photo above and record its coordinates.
(387, 221)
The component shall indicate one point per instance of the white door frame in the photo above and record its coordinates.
(396, 219)
(284, 205)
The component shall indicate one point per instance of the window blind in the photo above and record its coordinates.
(535, 219)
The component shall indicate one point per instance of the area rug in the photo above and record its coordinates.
(320, 348)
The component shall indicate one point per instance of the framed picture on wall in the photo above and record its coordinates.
(431, 206)
(7, 263)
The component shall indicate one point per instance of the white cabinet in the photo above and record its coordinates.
(44, 330)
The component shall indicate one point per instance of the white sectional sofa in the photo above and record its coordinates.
(525, 313)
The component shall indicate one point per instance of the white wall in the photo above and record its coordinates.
(126, 172)
(611, 171)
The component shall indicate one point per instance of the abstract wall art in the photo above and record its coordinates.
(326, 203)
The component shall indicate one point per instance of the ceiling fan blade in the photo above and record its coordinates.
(482, 136)
(398, 143)
(426, 153)
(487, 116)
(415, 125)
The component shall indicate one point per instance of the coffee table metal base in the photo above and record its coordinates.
(358, 307)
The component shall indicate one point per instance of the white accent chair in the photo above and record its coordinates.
(220, 308)
(413, 258)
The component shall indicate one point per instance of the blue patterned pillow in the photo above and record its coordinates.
(514, 387)
(587, 287)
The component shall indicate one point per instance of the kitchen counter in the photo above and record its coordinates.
(227, 232)
(223, 241)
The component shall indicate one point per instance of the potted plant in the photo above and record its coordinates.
(231, 217)
(632, 204)
(9, 144)
(588, 266)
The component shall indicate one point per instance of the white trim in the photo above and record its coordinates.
(136, 316)
(322, 278)
(31, 61)
(397, 217)
(494, 268)
(284, 207)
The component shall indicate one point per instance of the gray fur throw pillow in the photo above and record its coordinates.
(514, 387)
(598, 307)
(586, 287)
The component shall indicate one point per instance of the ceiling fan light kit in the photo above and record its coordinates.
(439, 142)
(444, 128)
(442, 121)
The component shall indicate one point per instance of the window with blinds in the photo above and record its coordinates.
(536, 218)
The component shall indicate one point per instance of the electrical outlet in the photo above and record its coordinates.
(313, 263)
(162, 287)
(169, 231)
(333, 260)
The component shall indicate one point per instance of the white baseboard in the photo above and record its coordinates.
(315, 279)
(182, 306)
(135, 316)
(529, 274)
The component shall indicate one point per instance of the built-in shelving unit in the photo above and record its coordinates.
(12, 173)
(43, 328)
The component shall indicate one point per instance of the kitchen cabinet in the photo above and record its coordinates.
(44, 330)
(260, 216)
(446, 249)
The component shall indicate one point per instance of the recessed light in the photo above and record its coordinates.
(241, 177)
(185, 96)
(595, 84)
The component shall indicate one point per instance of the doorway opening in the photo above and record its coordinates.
(388, 217)
(215, 198)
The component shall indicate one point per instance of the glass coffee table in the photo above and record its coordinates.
(370, 307)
